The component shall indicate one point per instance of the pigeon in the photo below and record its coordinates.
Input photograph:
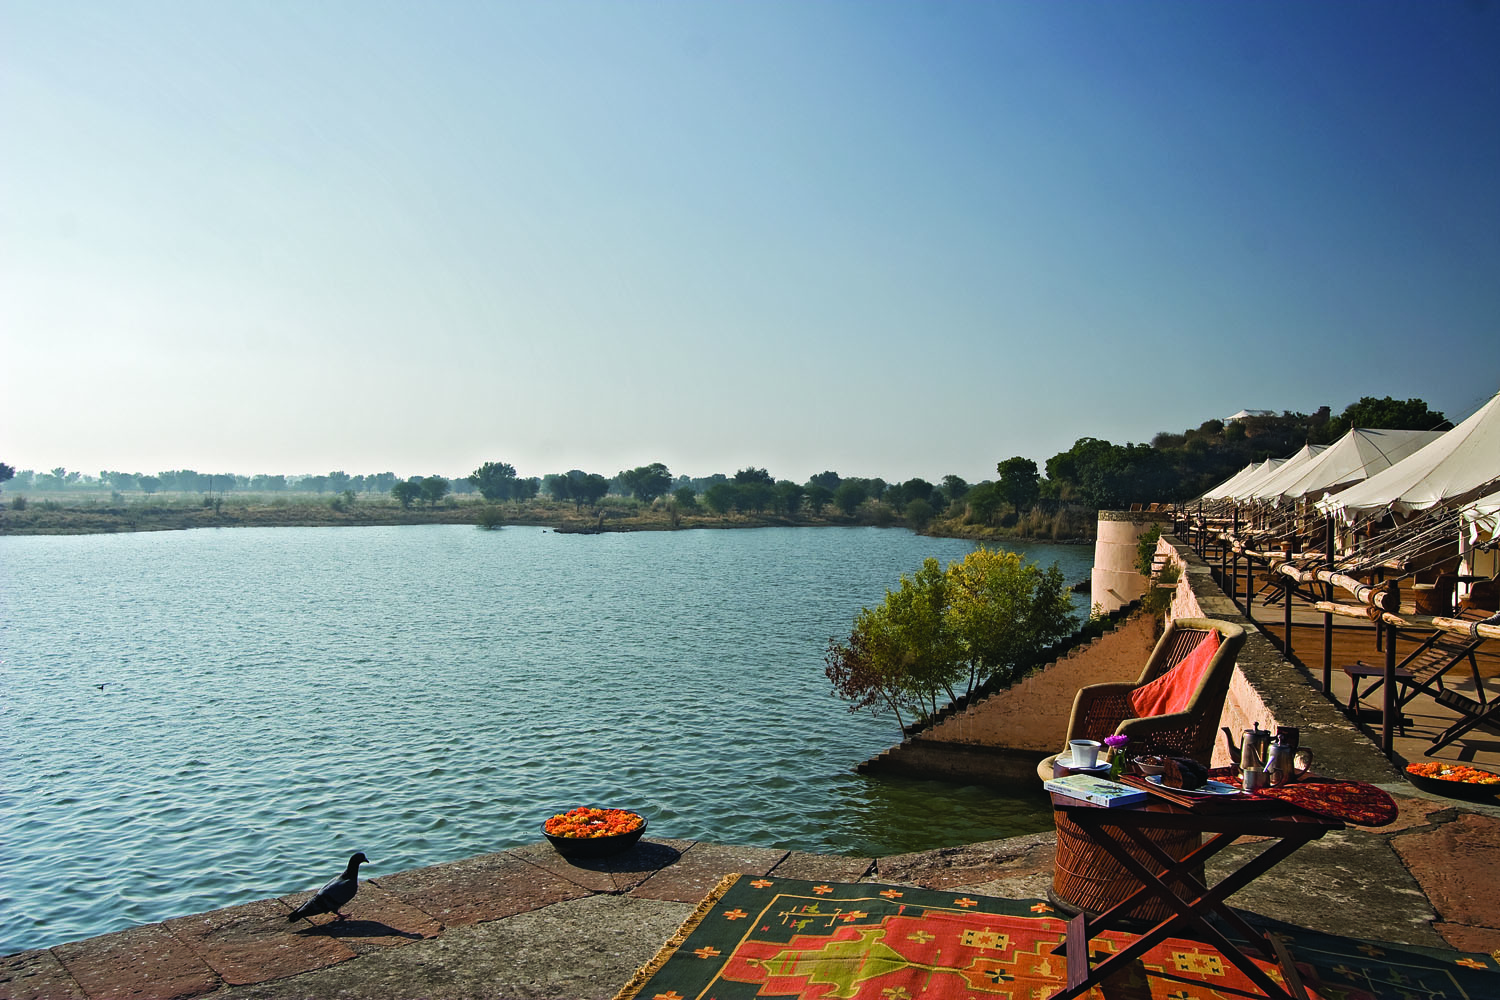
(336, 894)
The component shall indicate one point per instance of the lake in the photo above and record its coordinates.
(196, 719)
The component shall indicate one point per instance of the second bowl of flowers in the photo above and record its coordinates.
(590, 832)
(1459, 781)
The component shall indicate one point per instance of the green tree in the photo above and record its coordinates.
(984, 618)
(7, 472)
(849, 496)
(789, 497)
(754, 495)
(828, 480)
(686, 497)
(434, 489)
(1018, 482)
(495, 481)
(754, 475)
(721, 497)
(818, 497)
(560, 487)
(647, 482)
(898, 655)
(407, 493)
(587, 488)
(919, 514)
(982, 501)
(954, 488)
(917, 489)
(1005, 610)
(1387, 413)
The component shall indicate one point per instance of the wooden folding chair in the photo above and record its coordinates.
(1422, 670)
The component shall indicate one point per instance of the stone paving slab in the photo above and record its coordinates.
(254, 942)
(1461, 893)
(823, 867)
(383, 921)
(145, 961)
(36, 975)
(581, 949)
(702, 867)
(487, 887)
(951, 867)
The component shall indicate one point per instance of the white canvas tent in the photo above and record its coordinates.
(1356, 456)
(1268, 487)
(1462, 462)
(1482, 517)
(1243, 480)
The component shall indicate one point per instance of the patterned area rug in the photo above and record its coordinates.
(781, 938)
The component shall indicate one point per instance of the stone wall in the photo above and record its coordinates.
(1033, 713)
(1000, 739)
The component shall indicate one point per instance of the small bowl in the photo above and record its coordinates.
(1149, 769)
(1450, 788)
(595, 847)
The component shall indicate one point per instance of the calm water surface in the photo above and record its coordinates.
(274, 699)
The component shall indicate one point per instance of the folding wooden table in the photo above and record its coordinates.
(1173, 882)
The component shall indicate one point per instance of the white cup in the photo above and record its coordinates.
(1083, 753)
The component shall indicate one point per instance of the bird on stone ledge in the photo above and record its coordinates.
(336, 894)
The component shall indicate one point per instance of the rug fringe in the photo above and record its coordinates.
(651, 968)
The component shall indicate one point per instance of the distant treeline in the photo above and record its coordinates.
(1094, 474)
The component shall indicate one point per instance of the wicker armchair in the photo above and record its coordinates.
(1101, 710)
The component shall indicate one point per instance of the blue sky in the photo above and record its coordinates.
(891, 239)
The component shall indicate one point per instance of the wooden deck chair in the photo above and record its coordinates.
(1472, 713)
(1101, 710)
(1421, 670)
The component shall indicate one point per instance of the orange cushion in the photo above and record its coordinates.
(1173, 690)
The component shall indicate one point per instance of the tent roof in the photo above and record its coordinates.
(1356, 456)
(1243, 479)
(1267, 487)
(1462, 461)
(1228, 485)
(1483, 517)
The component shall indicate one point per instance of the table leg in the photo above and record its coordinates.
(1179, 870)
(1188, 912)
(1232, 883)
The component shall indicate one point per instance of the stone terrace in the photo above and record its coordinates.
(526, 924)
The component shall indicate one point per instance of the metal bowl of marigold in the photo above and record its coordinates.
(1458, 781)
(587, 832)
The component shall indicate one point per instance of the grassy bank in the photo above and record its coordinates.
(65, 515)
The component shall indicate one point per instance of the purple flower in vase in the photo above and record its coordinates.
(1116, 746)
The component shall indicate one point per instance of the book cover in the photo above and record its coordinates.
(1099, 791)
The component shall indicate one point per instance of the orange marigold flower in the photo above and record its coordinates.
(1452, 772)
(589, 822)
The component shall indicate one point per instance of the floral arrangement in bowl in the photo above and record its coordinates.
(1457, 780)
(591, 832)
